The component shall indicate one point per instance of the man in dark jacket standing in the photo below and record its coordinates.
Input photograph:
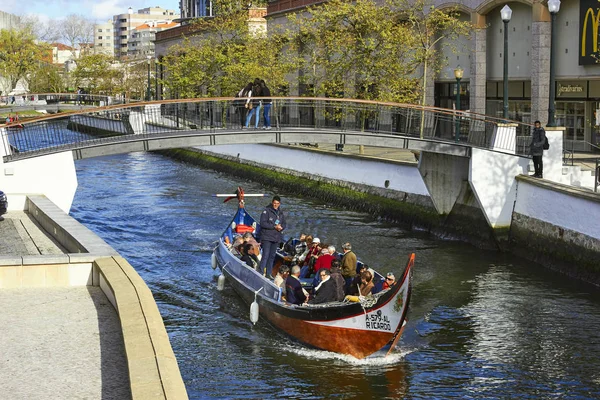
(538, 138)
(272, 223)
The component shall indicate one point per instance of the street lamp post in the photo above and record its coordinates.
(505, 13)
(156, 96)
(458, 74)
(553, 7)
(148, 89)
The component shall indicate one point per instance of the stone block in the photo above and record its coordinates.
(10, 277)
(34, 276)
(80, 274)
(57, 275)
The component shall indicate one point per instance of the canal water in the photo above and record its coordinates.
(481, 324)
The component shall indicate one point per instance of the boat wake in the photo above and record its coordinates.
(394, 358)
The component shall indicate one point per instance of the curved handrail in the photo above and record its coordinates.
(224, 115)
(417, 107)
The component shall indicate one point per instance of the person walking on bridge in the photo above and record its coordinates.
(538, 139)
(272, 223)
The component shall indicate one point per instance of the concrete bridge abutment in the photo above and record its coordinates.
(443, 175)
(52, 175)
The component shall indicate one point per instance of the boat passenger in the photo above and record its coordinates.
(365, 288)
(281, 277)
(293, 288)
(348, 264)
(340, 283)
(385, 284)
(272, 223)
(327, 256)
(301, 246)
(249, 257)
(312, 249)
(353, 288)
(249, 238)
(325, 292)
(300, 257)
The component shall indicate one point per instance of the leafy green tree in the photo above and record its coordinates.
(431, 26)
(19, 55)
(46, 78)
(357, 49)
(98, 74)
(222, 55)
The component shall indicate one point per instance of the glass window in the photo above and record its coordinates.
(571, 115)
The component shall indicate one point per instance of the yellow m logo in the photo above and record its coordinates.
(595, 23)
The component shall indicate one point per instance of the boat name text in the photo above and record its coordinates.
(378, 321)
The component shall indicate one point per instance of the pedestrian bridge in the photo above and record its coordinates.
(201, 122)
(56, 102)
(455, 147)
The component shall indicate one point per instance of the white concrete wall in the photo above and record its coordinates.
(492, 178)
(559, 208)
(404, 178)
(53, 175)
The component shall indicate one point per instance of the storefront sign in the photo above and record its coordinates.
(589, 19)
(571, 89)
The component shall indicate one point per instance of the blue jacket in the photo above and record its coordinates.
(293, 291)
(268, 219)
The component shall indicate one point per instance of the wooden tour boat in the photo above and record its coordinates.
(369, 328)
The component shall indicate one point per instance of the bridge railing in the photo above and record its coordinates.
(63, 98)
(339, 116)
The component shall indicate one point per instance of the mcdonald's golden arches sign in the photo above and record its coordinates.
(589, 19)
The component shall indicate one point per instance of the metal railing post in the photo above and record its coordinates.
(597, 176)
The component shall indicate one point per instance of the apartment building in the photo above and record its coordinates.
(124, 25)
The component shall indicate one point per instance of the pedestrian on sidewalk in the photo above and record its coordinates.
(538, 138)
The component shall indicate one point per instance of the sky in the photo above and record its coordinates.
(96, 10)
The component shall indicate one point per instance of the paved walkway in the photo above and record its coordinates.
(587, 161)
(21, 236)
(57, 342)
(61, 343)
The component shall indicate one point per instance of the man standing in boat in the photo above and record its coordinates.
(348, 264)
(272, 223)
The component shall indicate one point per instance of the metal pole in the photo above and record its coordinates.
(552, 95)
(457, 127)
(148, 90)
(597, 176)
(156, 97)
(505, 105)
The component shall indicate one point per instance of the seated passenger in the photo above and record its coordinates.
(249, 238)
(353, 288)
(293, 288)
(301, 246)
(324, 261)
(325, 292)
(385, 284)
(300, 257)
(281, 277)
(338, 279)
(366, 286)
(366, 283)
(249, 257)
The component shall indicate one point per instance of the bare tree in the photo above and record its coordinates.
(77, 32)
(45, 31)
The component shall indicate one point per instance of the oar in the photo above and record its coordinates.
(245, 195)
